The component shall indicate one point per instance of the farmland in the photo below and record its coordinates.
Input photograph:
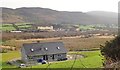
(10, 27)
(71, 44)
(87, 27)
(83, 34)
(93, 59)
(7, 27)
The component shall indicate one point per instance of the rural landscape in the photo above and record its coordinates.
(91, 39)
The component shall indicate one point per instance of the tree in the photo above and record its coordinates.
(111, 50)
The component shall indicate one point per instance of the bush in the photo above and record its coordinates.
(4, 51)
(111, 50)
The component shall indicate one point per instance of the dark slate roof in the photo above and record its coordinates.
(39, 48)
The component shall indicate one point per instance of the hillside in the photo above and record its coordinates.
(102, 16)
(44, 15)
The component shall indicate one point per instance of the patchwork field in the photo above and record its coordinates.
(7, 27)
(10, 27)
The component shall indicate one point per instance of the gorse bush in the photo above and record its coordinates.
(111, 50)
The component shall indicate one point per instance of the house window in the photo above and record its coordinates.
(32, 50)
(46, 49)
(59, 55)
(58, 48)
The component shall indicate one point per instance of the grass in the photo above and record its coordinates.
(86, 27)
(9, 27)
(93, 60)
(9, 56)
(23, 25)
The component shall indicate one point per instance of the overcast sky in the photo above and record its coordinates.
(65, 5)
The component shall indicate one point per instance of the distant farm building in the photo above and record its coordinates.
(48, 28)
(15, 31)
(43, 27)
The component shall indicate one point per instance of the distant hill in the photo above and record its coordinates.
(103, 14)
(108, 17)
(44, 15)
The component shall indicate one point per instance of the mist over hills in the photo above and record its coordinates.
(45, 15)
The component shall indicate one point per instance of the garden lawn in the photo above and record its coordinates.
(93, 59)
(9, 56)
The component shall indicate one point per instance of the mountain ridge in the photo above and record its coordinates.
(46, 15)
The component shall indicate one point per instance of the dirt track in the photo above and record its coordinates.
(65, 38)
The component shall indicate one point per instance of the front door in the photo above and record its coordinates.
(53, 57)
(45, 57)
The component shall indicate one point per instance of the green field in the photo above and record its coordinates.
(86, 27)
(9, 56)
(9, 27)
(92, 60)
(23, 25)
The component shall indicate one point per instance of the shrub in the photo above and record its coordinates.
(4, 51)
(111, 50)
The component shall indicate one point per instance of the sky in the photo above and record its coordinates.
(65, 5)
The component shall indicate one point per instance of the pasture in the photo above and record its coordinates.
(86, 27)
(7, 27)
(10, 27)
